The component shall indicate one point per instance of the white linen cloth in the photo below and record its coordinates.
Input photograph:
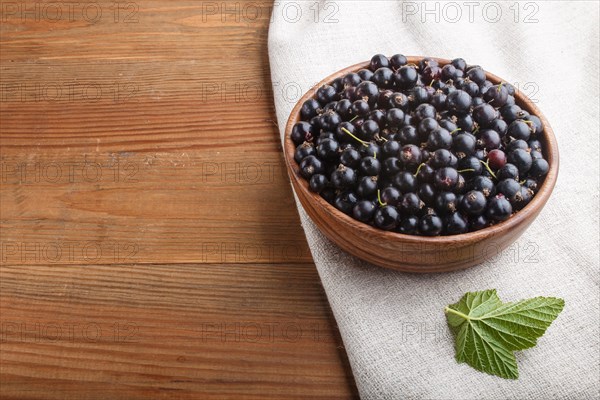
(392, 323)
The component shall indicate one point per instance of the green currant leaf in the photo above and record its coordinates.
(487, 331)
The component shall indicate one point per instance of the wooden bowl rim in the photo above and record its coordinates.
(541, 197)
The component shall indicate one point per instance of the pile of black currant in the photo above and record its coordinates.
(421, 149)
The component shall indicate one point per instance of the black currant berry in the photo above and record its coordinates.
(318, 182)
(386, 218)
(499, 208)
(430, 225)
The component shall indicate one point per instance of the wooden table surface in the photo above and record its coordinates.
(150, 247)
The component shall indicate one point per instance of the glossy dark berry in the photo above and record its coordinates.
(391, 166)
(390, 196)
(405, 182)
(397, 61)
(345, 201)
(484, 115)
(499, 208)
(458, 101)
(328, 149)
(318, 182)
(476, 74)
(496, 159)
(496, 95)
(424, 111)
(365, 74)
(369, 129)
(398, 100)
(302, 132)
(522, 198)
(470, 166)
(500, 126)
(369, 166)
(539, 168)
(350, 157)
(427, 194)
(489, 139)
(394, 117)
(426, 126)
(465, 122)
(519, 129)
(479, 223)
(419, 95)
(430, 225)
(378, 61)
(408, 135)
(471, 88)
(464, 144)
(445, 203)
(406, 77)
(351, 79)
(521, 159)
(383, 77)
(473, 203)
(439, 139)
(330, 120)
(367, 187)
(386, 218)
(410, 155)
(391, 148)
(484, 185)
(510, 112)
(446, 178)
(325, 94)
(370, 150)
(409, 225)
(535, 123)
(304, 150)
(367, 91)
(364, 210)
(411, 203)
(459, 63)
(343, 177)
(508, 171)
(443, 158)
(360, 108)
(455, 224)
(508, 187)
(343, 108)
(311, 165)
(425, 173)
(309, 109)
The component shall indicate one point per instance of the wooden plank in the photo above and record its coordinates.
(191, 206)
(191, 331)
(149, 243)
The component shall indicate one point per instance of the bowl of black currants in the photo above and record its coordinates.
(420, 164)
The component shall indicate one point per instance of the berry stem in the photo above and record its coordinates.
(382, 204)
(418, 169)
(466, 170)
(350, 133)
(356, 116)
(456, 130)
(487, 166)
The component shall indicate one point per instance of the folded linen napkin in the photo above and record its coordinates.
(392, 324)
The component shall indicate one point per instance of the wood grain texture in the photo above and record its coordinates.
(149, 242)
(412, 253)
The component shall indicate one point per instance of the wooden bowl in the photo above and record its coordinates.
(413, 253)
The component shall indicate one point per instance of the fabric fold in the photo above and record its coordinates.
(392, 323)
